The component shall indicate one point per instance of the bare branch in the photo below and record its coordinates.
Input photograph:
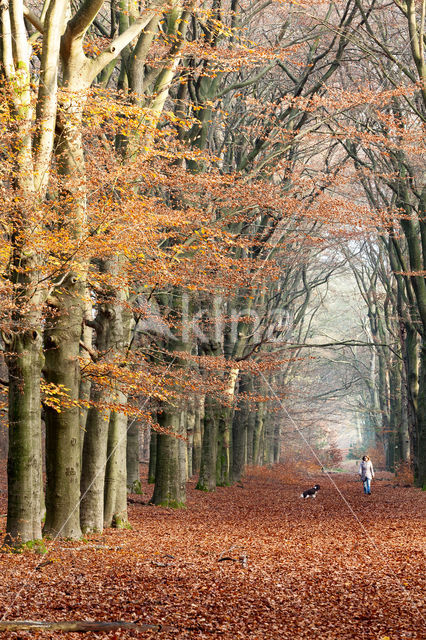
(33, 19)
(119, 43)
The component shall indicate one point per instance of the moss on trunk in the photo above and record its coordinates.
(24, 362)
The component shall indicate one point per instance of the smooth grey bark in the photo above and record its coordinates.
(112, 327)
(251, 426)
(224, 453)
(63, 467)
(268, 449)
(132, 457)
(207, 477)
(63, 330)
(115, 498)
(144, 444)
(152, 456)
(224, 447)
(171, 455)
(94, 452)
(395, 417)
(239, 433)
(24, 453)
(259, 434)
(170, 478)
(420, 437)
(183, 452)
(198, 435)
(85, 382)
(190, 418)
(84, 397)
(411, 362)
(277, 439)
(94, 462)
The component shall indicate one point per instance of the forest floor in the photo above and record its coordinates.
(341, 566)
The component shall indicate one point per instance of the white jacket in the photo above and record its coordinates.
(366, 470)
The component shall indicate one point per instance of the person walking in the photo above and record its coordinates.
(366, 472)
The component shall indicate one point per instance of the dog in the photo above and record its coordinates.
(310, 493)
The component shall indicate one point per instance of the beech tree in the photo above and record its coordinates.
(55, 126)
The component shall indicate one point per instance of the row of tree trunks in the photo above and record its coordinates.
(60, 118)
(254, 432)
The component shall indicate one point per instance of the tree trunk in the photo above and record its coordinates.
(190, 428)
(384, 396)
(24, 455)
(207, 478)
(251, 430)
(277, 439)
(225, 432)
(224, 448)
(115, 505)
(258, 440)
(393, 453)
(170, 489)
(411, 361)
(85, 382)
(152, 456)
(62, 338)
(239, 433)
(419, 453)
(198, 435)
(183, 452)
(145, 437)
(268, 454)
(94, 461)
(112, 325)
(132, 458)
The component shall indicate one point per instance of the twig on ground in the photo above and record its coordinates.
(80, 626)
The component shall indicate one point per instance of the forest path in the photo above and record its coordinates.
(341, 566)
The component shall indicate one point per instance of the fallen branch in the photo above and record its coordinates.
(80, 626)
(91, 546)
(157, 563)
(43, 564)
(242, 558)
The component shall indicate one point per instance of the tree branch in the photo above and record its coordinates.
(337, 343)
(90, 351)
(84, 17)
(119, 43)
(81, 626)
(33, 19)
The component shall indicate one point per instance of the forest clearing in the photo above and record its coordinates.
(315, 569)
